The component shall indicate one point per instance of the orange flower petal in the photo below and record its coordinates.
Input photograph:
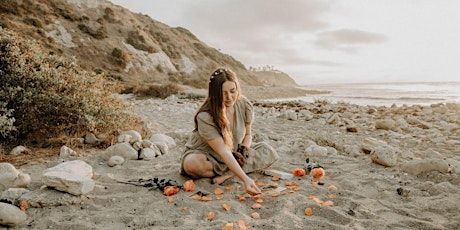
(260, 183)
(228, 226)
(332, 188)
(197, 197)
(189, 186)
(308, 212)
(242, 198)
(170, 199)
(275, 178)
(228, 188)
(259, 201)
(256, 206)
(328, 203)
(170, 190)
(241, 225)
(218, 191)
(185, 208)
(255, 215)
(210, 216)
(206, 198)
(226, 207)
(219, 197)
(275, 194)
(23, 205)
(317, 172)
(299, 172)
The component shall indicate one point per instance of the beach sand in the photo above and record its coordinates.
(368, 195)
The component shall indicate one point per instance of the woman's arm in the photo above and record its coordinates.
(247, 139)
(225, 153)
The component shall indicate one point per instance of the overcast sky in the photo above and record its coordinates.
(326, 41)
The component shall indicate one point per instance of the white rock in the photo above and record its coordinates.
(148, 154)
(12, 194)
(162, 138)
(163, 147)
(384, 155)
(316, 150)
(11, 215)
(135, 136)
(66, 152)
(137, 145)
(73, 177)
(291, 115)
(91, 139)
(19, 150)
(115, 160)
(369, 144)
(121, 149)
(76, 167)
(385, 124)
(67, 182)
(124, 138)
(10, 177)
(418, 166)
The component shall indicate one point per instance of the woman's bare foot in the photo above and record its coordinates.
(221, 179)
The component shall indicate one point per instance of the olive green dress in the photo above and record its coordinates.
(261, 155)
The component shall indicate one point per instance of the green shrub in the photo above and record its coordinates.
(48, 96)
(118, 57)
(138, 41)
(157, 91)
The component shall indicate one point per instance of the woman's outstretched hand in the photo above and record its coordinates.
(251, 187)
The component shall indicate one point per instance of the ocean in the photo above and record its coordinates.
(387, 94)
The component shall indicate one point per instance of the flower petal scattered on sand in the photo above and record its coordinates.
(308, 212)
(23, 205)
(218, 191)
(299, 172)
(256, 206)
(226, 207)
(332, 188)
(170, 190)
(241, 225)
(255, 215)
(189, 186)
(210, 216)
(259, 201)
(275, 178)
(328, 203)
(170, 199)
(228, 226)
(317, 172)
(242, 198)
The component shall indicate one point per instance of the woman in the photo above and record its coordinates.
(223, 127)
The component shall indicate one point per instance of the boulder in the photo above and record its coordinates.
(11, 216)
(73, 177)
(384, 155)
(124, 150)
(418, 166)
(10, 177)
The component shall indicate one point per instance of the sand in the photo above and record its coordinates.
(368, 195)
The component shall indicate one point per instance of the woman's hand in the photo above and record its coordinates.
(251, 187)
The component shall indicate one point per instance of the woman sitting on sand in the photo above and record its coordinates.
(221, 146)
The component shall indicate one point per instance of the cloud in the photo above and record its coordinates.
(346, 40)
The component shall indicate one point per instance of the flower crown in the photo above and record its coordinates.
(217, 72)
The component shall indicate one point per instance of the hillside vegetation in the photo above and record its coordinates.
(61, 60)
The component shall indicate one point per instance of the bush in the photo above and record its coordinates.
(157, 91)
(47, 96)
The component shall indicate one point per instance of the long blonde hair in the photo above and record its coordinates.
(214, 102)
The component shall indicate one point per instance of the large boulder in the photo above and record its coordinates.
(10, 177)
(73, 177)
(11, 216)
